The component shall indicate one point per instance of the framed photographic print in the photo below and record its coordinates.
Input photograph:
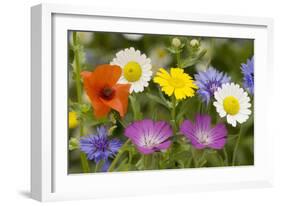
(133, 102)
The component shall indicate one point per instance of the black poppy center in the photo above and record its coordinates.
(107, 93)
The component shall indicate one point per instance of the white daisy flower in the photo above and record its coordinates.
(233, 103)
(205, 61)
(160, 58)
(136, 68)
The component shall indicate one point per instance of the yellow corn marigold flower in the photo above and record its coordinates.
(72, 120)
(177, 82)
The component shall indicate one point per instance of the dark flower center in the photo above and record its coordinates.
(101, 145)
(212, 86)
(107, 93)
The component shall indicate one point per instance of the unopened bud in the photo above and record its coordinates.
(194, 43)
(176, 42)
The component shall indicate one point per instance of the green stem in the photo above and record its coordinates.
(225, 156)
(236, 147)
(122, 123)
(147, 161)
(97, 167)
(189, 163)
(200, 107)
(135, 106)
(202, 163)
(221, 159)
(83, 157)
(194, 158)
(173, 115)
(207, 108)
(178, 58)
(144, 159)
(119, 154)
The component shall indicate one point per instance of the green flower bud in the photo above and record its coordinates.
(176, 42)
(73, 143)
(194, 43)
(85, 108)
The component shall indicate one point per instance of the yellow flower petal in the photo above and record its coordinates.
(163, 73)
(177, 72)
(189, 92)
(179, 93)
(168, 90)
(162, 82)
(72, 120)
(177, 82)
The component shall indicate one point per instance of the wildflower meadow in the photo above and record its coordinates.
(151, 102)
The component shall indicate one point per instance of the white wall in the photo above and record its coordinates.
(15, 95)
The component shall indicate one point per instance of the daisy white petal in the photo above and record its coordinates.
(233, 102)
(136, 68)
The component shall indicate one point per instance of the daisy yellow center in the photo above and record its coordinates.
(231, 105)
(161, 53)
(132, 71)
(177, 82)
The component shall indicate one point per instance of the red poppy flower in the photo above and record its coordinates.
(104, 92)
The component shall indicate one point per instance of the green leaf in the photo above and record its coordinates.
(99, 165)
(139, 164)
(183, 110)
(172, 50)
(123, 166)
(192, 60)
(201, 162)
(111, 130)
(135, 107)
(155, 114)
(157, 99)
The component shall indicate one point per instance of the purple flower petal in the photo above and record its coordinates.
(164, 145)
(162, 130)
(202, 135)
(187, 128)
(149, 136)
(145, 150)
(218, 132)
(218, 144)
(248, 73)
(134, 131)
(203, 122)
(208, 82)
(98, 147)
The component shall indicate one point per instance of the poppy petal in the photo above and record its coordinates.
(122, 93)
(106, 75)
(100, 109)
(120, 101)
(86, 74)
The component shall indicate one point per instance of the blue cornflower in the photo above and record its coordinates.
(248, 72)
(98, 147)
(208, 82)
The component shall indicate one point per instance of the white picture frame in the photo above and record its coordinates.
(49, 178)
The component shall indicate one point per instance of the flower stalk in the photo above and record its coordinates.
(84, 161)
(236, 147)
(173, 115)
(117, 157)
